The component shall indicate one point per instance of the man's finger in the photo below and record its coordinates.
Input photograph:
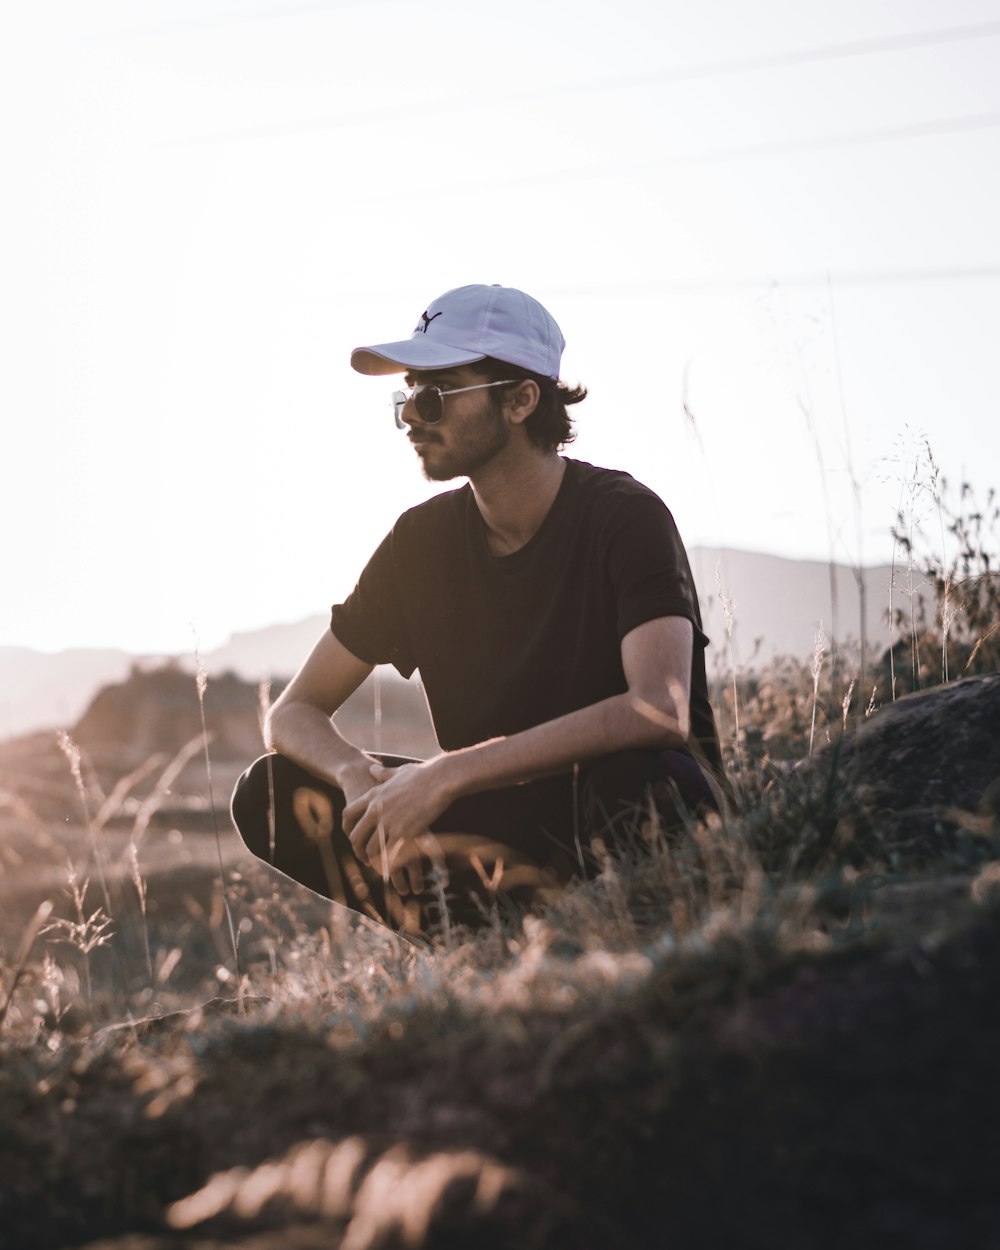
(376, 852)
(354, 810)
(397, 861)
(392, 860)
(415, 870)
(365, 827)
(350, 822)
(399, 878)
(350, 815)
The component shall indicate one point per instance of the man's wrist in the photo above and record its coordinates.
(449, 768)
(355, 765)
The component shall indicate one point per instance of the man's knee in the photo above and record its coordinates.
(260, 794)
(249, 804)
(616, 790)
(622, 789)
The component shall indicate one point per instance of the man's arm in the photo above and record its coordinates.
(653, 714)
(299, 724)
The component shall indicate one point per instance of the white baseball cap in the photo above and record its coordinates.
(466, 324)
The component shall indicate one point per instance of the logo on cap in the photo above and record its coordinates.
(426, 320)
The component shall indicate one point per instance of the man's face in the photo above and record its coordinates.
(471, 432)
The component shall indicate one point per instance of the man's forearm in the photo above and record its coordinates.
(620, 723)
(309, 737)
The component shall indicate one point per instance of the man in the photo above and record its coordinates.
(550, 609)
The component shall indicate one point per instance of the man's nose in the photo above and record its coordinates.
(411, 416)
(404, 412)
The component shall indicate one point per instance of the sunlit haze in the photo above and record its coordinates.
(768, 231)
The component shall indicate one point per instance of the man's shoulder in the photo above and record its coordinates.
(440, 510)
(608, 486)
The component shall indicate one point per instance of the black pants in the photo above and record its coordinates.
(514, 845)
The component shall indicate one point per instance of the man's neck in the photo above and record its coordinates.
(514, 493)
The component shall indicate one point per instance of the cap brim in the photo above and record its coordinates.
(416, 353)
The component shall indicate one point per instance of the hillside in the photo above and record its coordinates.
(778, 1031)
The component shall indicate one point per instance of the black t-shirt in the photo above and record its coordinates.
(504, 643)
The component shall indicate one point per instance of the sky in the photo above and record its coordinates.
(766, 227)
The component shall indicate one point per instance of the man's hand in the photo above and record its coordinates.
(388, 825)
(356, 781)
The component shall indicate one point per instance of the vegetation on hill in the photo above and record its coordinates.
(777, 1029)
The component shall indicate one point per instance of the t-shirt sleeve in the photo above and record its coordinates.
(370, 622)
(650, 573)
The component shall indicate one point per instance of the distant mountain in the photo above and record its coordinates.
(39, 690)
(276, 650)
(778, 605)
(781, 602)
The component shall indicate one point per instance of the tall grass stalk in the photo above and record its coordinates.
(727, 608)
(947, 613)
(857, 569)
(892, 587)
(915, 673)
(164, 783)
(138, 881)
(72, 754)
(980, 643)
(806, 409)
(85, 933)
(263, 702)
(123, 787)
(817, 667)
(28, 938)
(263, 710)
(382, 846)
(845, 706)
(377, 689)
(201, 681)
(693, 427)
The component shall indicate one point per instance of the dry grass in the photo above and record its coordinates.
(199, 1044)
(386, 1092)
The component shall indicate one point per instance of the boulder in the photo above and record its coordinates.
(916, 782)
(157, 712)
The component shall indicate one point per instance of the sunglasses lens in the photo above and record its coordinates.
(427, 400)
(398, 404)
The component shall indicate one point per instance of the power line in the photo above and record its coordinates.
(837, 51)
(639, 169)
(763, 283)
(845, 278)
(851, 138)
(182, 25)
(432, 108)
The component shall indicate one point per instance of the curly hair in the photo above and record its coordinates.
(549, 426)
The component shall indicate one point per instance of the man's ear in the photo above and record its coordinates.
(521, 402)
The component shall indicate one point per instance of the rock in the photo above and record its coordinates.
(918, 781)
(157, 712)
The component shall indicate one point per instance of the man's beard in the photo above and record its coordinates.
(491, 437)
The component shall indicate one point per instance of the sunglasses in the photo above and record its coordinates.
(429, 400)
